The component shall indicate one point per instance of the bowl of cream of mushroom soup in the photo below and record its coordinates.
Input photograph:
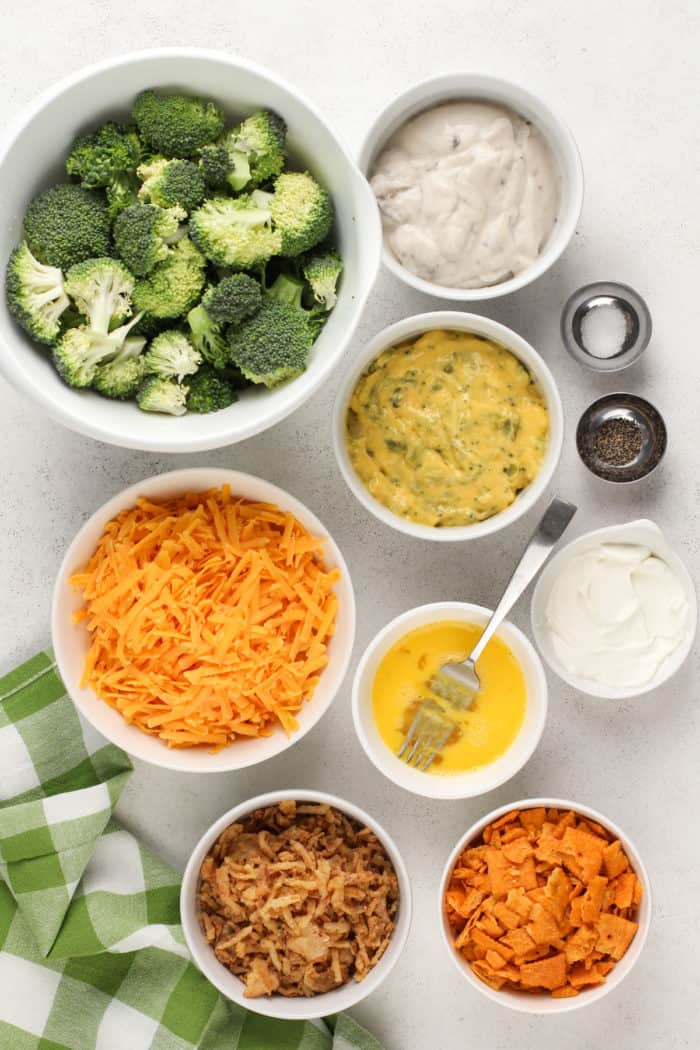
(478, 182)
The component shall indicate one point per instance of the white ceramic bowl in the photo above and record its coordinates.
(31, 157)
(450, 87)
(643, 532)
(410, 328)
(278, 1005)
(71, 641)
(458, 785)
(526, 1002)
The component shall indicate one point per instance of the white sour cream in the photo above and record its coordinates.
(469, 193)
(615, 613)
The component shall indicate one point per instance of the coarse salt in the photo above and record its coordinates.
(604, 330)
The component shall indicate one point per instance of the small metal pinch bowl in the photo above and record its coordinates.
(621, 438)
(606, 326)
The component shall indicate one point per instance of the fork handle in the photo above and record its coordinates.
(550, 529)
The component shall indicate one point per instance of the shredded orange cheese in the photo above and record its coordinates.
(209, 617)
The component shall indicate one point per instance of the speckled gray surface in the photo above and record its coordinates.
(626, 78)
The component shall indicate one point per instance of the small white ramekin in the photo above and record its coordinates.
(647, 534)
(299, 1009)
(71, 641)
(456, 86)
(457, 785)
(527, 1002)
(411, 328)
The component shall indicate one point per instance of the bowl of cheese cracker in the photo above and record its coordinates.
(545, 905)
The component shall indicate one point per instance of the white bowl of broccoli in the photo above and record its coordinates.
(192, 257)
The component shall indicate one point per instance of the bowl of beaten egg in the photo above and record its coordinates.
(448, 426)
(497, 734)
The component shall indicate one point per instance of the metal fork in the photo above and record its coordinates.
(458, 683)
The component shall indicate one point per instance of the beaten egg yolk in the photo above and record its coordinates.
(446, 430)
(489, 725)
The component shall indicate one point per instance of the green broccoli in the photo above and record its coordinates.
(121, 377)
(101, 289)
(66, 224)
(144, 235)
(172, 183)
(247, 155)
(322, 270)
(80, 351)
(107, 159)
(207, 337)
(177, 125)
(162, 395)
(120, 380)
(215, 164)
(234, 232)
(209, 391)
(172, 356)
(233, 299)
(175, 285)
(301, 211)
(36, 295)
(273, 346)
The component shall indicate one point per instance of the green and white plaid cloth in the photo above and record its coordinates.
(92, 956)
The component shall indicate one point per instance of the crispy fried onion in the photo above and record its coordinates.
(298, 899)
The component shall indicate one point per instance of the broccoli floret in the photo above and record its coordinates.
(215, 164)
(209, 391)
(234, 232)
(36, 295)
(207, 337)
(258, 144)
(322, 270)
(144, 235)
(162, 395)
(66, 224)
(247, 155)
(80, 350)
(233, 299)
(121, 377)
(120, 380)
(273, 346)
(101, 289)
(172, 183)
(174, 285)
(177, 125)
(301, 210)
(172, 356)
(108, 159)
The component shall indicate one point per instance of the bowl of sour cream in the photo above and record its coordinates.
(479, 184)
(614, 613)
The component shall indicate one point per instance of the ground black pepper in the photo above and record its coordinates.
(617, 441)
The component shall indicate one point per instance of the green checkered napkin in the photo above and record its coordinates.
(92, 956)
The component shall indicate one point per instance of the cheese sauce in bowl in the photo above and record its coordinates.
(448, 426)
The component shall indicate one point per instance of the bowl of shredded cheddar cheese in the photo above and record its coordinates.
(203, 620)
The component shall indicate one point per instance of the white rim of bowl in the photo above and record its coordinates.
(525, 1002)
(406, 105)
(174, 758)
(41, 396)
(190, 882)
(446, 611)
(588, 687)
(456, 320)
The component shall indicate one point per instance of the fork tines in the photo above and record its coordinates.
(426, 736)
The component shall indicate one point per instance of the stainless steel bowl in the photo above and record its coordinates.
(635, 411)
(597, 299)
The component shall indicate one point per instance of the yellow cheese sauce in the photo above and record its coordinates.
(446, 430)
(486, 729)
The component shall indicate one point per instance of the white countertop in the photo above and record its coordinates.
(626, 78)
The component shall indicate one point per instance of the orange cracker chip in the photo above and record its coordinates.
(545, 973)
(544, 902)
(614, 935)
